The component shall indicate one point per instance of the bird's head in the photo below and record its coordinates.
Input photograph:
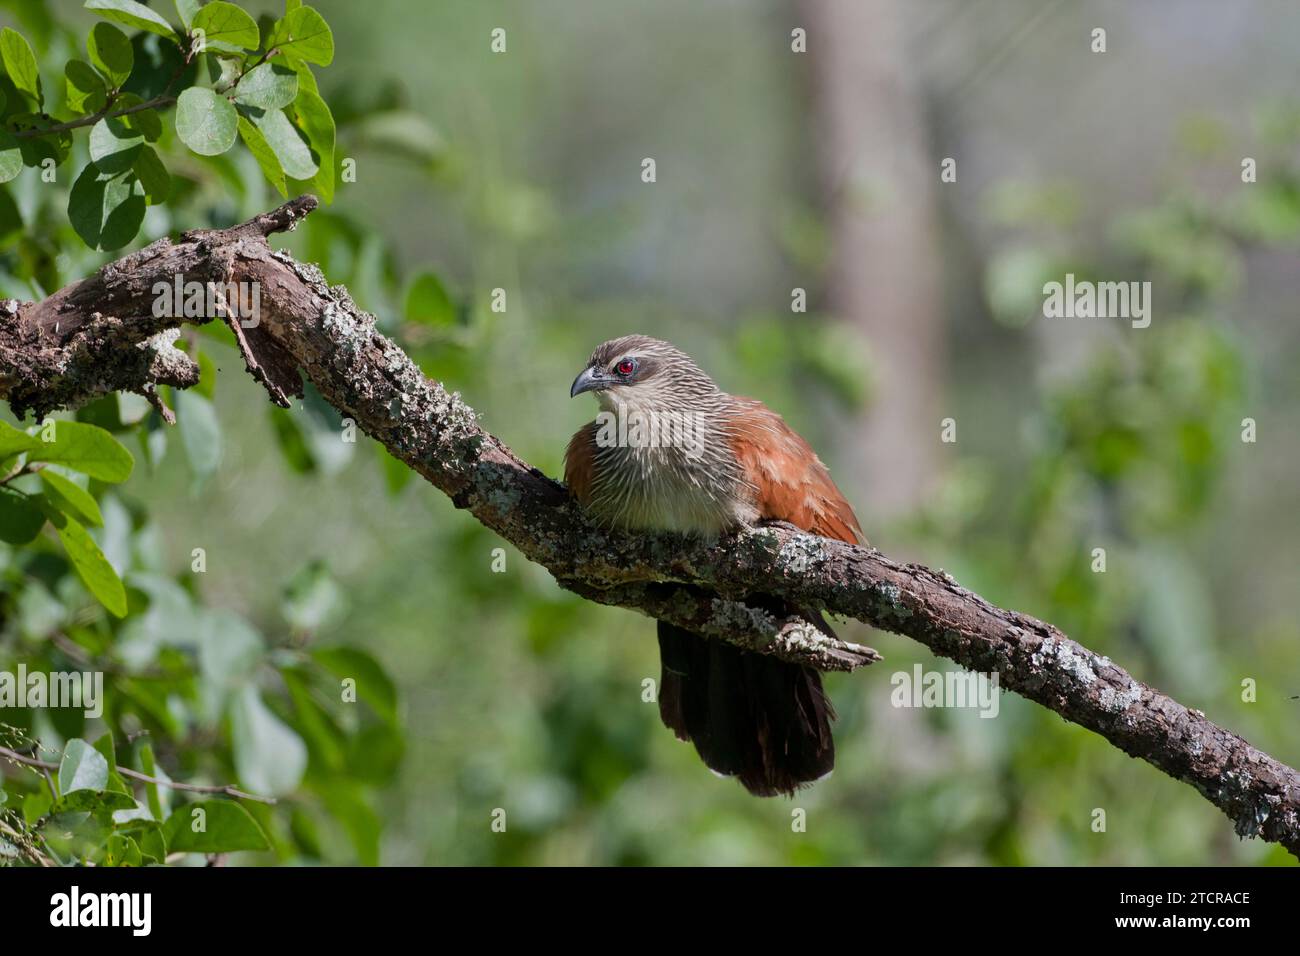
(637, 371)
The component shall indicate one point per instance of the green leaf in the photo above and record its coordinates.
(427, 302)
(72, 500)
(111, 52)
(263, 153)
(224, 71)
(14, 441)
(316, 120)
(153, 176)
(11, 220)
(88, 449)
(21, 519)
(150, 789)
(11, 156)
(85, 89)
(374, 687)
(207, 384)
(41, 144)
(270, 758)
(267, 87)
(92, 567)
(186, 9)
(145, 122)
(349, 806)
(206, 122)
(20, 63)
(82, 768)
(293, 443)
(106, 211)
(106, 747)
(89, 799)
(289, 148)
(114, 145)
(200, 433)
(153, 845)
(226, 827)
(306, 78)
(325, 738)
(374, 753)
(302, 33)
(225, 27)
(36, 805)
(121, 850)
(132, 14)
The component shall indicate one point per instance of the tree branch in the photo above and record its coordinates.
(158, 102)
(100, 334)
(226, 789)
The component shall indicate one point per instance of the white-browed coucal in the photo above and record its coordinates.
(671, 451)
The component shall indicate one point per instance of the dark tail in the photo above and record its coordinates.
(760, 719)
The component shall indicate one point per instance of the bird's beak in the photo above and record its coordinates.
(590, 380)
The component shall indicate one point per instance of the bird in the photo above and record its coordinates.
(671, 451)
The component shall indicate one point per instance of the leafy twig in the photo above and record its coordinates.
(228, 790)
(158, 102)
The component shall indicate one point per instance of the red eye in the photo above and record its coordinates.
(626, 367)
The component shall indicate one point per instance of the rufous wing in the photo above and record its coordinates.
(790, 480)
(579, 462)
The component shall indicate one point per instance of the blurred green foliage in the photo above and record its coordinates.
(329, 577)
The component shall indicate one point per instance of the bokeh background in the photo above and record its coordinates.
(777, 170)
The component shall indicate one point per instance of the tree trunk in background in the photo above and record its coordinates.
(878, 180)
